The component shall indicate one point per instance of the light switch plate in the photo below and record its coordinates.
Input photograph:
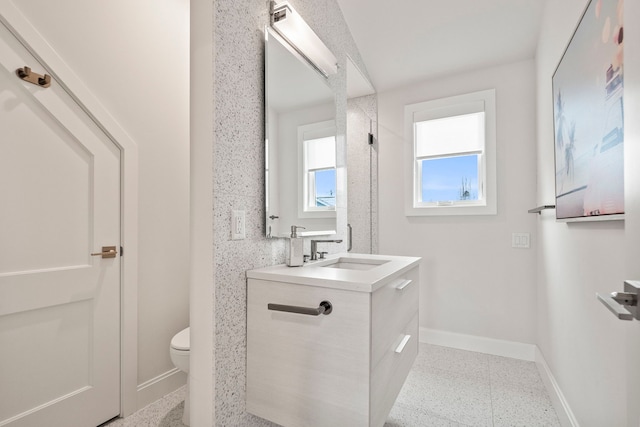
(521, 240)
(237, 225)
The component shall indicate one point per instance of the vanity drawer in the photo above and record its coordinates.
(392, 308)
(316, 364)
(388, 377)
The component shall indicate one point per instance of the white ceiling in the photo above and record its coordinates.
(407, 41)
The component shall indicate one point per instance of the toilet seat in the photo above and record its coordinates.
(181, 341)
(179, 351)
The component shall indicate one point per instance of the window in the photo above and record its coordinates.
(318, 169)
(451, 156)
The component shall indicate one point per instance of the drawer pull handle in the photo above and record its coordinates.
(325, 307)
(403, 285)
(403, 343)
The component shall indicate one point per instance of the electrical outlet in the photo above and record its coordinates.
(521, 240)
(237, 225)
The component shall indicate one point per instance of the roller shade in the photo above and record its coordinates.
(320, 153)
(450, 135)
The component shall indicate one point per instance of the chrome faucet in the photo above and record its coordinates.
(314, 247)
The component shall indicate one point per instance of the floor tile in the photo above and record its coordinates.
(451, 359)
(404, 416)
(507, 370)
(454, 396)
(517, 405)
(165, 412)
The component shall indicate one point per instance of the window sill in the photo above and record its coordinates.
(454, 210)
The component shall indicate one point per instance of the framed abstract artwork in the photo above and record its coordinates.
(588, 108)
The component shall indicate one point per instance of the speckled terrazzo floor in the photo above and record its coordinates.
(450, 387)
(165, 412)
(446, 387)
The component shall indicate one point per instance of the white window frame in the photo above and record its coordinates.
(449, 107)
(306, 132)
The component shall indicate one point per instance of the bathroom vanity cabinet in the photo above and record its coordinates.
(344, 368)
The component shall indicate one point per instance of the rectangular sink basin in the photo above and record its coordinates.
(355, 263)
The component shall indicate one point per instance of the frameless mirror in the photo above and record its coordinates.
(300, 144)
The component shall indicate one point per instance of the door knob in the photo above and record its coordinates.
(107, 252)
(624, 305)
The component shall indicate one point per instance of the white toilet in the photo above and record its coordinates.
(179, 351)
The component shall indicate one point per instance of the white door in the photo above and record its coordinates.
(632, 246)
(632, 202)
(59, 306)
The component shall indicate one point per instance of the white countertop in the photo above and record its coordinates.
(314, 274)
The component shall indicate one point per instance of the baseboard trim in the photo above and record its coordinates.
(512, 349)
(160, 386)
(560, 404)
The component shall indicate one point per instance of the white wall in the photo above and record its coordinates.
(201, 288)
(581, 341)
(472, 281)
(134, 57)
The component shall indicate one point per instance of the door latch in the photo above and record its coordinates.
(107, 252)
(624, 305)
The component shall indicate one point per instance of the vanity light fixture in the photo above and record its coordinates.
(290, 25)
